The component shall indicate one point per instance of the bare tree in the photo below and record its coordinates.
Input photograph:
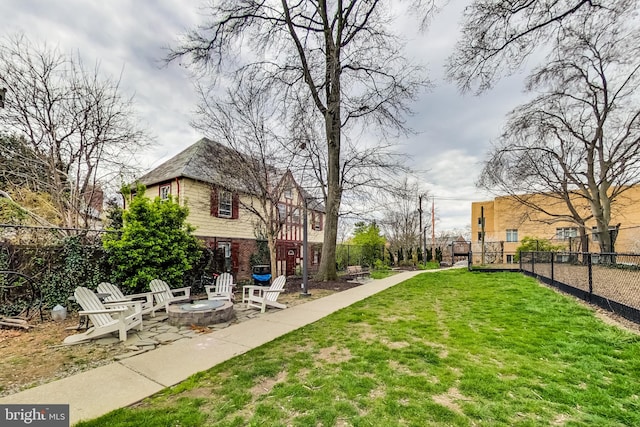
(368, 173)
(498, 35)
(339, 57)
(401, 223)
(255, 163)
(74, 124)
(578, 141)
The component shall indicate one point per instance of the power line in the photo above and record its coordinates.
(455, 199)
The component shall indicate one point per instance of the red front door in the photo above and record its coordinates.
(291, 262)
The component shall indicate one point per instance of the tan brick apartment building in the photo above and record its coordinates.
(507, 222)
(219, 217)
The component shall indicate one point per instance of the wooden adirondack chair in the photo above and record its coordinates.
(265, 296)
(105, 318)
(223, 289)
(116, 295)
(163, 295)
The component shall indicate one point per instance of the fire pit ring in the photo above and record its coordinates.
(200, 313)
(202, 305)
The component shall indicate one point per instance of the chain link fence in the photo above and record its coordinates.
(609, 280)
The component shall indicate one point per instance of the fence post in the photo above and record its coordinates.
(520, 260)
(590, 269)
(552, 257)
(533, 263)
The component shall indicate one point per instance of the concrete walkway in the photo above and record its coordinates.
(122, 383)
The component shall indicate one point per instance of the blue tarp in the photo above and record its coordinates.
(262, 277)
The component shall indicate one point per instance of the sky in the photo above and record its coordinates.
(129, 38)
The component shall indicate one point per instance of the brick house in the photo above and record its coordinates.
(220, 214)
(506, 222)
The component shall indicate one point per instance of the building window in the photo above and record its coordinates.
(511, 259)
(165, 191)
(512, 235)
(225, 248)
(479, 221)
(225, 204)
(595, 236)
(479, 236)
(282, 212)
(296, 216)
(564, 233)
(316, 221)
(288, 193)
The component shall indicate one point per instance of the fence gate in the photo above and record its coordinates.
(460, 250)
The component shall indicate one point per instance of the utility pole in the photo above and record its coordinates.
(433, 228)
(482, 233)
(305, 251)
(423, 247)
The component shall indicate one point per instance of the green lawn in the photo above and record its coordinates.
(448, 348)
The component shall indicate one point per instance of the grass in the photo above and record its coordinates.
(381, 274)
(430, 265)
(443, 349)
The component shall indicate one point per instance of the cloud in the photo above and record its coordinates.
(130, 37)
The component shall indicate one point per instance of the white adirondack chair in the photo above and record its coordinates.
(116, 295)
(265, 297)
(105, 318)
(222, 290)
(163, 295)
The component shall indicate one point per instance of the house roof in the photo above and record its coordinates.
(197, 162)
(193, 162)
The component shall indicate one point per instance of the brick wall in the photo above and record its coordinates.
(241, 251)
(245, 249)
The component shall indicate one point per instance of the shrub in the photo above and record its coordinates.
(380, 265)
(431, 265)
(155, 242)
(534, 244)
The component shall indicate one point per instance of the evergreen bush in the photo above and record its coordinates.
(155, 242)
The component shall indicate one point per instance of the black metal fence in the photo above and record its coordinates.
(494, 260)
(608, 280)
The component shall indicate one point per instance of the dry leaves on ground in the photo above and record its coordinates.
(36, 356)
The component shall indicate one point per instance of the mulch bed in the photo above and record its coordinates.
(294, 284)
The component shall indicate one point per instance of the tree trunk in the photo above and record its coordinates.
(333, 132)
(327, 269)
(273, 258)
(584, 239)
(601, 208)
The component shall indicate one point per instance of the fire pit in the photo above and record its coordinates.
(200, 313)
